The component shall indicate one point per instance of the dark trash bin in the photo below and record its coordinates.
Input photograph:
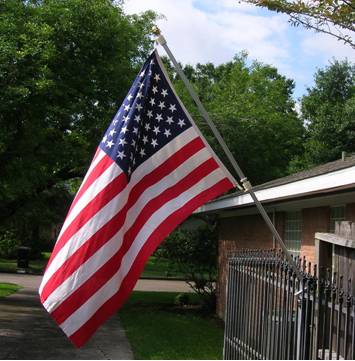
(23, 257)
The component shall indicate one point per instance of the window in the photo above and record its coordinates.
(337, 213)
(293, 232)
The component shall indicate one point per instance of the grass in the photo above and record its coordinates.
(158, 329)
(160, 268)
(7, 289)
(35, 266)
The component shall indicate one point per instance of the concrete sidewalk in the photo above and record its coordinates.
(28, 332)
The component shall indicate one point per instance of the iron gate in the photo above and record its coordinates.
(271, 313)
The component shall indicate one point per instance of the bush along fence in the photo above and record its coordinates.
(271, 313)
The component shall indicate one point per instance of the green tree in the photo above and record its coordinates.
(332, 17)
(329, 110)
(253, 108)
(65, 66)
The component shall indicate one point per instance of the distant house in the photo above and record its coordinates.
(299, 205)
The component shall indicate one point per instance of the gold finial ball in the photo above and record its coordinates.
(155, 30)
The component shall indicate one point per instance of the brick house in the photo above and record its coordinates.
(299, 206)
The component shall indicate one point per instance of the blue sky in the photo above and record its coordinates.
(214, 31)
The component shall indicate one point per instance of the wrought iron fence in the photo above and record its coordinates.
(271, 313)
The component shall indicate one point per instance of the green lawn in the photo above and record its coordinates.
(157, 329)
(160, 268)
(35, 266)
(8, 288)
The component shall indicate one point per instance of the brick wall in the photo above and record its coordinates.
(350, 212)
(251, 232)
(313, 220)
(238, 233)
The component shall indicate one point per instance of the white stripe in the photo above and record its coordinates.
(87, 310)
(93, 164)
(85, 271)
(116, 204)
(96, 187)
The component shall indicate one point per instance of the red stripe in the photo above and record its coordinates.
(106, 232)
(98, 202)
(99, 168)
(81, 336)
(94, 283)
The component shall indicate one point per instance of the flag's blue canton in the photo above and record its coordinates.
(149, 118)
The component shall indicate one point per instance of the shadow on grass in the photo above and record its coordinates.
(159, 329)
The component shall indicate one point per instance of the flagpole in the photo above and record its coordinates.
(243, 179)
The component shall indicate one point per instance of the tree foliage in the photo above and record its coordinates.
(253, 108)
(329, 110)
(333, 17)
(194, 254)
(65, 67)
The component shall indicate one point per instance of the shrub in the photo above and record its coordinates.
(194, 253)
(8, 244)
(182, 299)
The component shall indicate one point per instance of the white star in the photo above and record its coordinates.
(133, 143)
(172, 107)
(147, 127)
(142, 74)
(121, 155)
(142, 152)
(139, 95)
(152, 101)
(115, 121)
(104, 139)
(124, 130)
(181, 122)
(149, 113)
(159, 117)
(156, 130)
(135, 130)
(170, 120)
(110, 144)
(161, 105)
(122, 141)
(127, 107)
(112, 132)
(126, 118)
(139, 107)
(152, 62)
(164, 92)
(141, 85)
(154, 143)
(131, 156)
(130, 96)
(156, 77)
(134, 161)
(167, 132)
(145, 139)
(137, 118)
(155, 89)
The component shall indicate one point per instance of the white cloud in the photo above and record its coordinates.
(214, 31)
(196, 35)
(318, 44)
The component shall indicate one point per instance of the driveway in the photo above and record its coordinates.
(28, 332)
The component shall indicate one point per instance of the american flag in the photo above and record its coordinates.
(152, 169)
